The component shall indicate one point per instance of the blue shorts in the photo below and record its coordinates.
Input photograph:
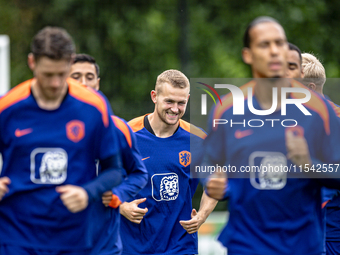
(332, 248)
(6, 249)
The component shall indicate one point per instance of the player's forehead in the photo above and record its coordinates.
(45, 64)
(83, 68)
(168, 91)
(266, 31)
(293, 57)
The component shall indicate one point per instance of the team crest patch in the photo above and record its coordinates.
(75, 130)
(48, 165)
(270, 171)
(185, 158)
(165, 187)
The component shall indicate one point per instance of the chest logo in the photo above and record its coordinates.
(268, 170)
(75, 130)
(240, 134)
(21, 132)
(185, 158)
(48, 165)
(165, 186)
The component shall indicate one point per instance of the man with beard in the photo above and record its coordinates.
(161, 219)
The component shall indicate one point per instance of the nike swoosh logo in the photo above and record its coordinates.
(240, 134)
(19, 133)
(145, 158)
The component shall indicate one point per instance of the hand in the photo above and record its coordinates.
(216, 186)
(75, 198)
(192, 226)
(297, 149)
(132, 212)
(106, 198)
(4, 182)
(110, 199)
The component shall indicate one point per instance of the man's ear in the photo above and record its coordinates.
(31, 61)
(247, 56)
(153, 96)
(311, 86)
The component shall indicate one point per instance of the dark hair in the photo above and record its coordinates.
(296, 48)
(86, 58)
(262, 19)
(54, 43)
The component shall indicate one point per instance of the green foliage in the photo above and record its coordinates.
(134, 41)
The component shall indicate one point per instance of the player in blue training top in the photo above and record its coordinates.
(315, 79)
(161, 219)
(273, 212)
(52, 129)
(86, 70)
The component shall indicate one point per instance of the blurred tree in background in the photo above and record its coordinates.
(134, 41)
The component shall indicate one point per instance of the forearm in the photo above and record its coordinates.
(110, 177)
(207, 205)
(130, 187)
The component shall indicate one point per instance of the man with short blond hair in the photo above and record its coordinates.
(315, 74)
(161, 220)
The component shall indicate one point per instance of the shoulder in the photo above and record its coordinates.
(192, 129)
(137, 124)
(124, 128)
(317, 104)
(90, 97)
(335, 107)
(15, 95)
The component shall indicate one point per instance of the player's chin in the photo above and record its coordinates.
(172, 120)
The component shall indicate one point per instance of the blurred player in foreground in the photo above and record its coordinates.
(273, 212)
(52, 129)
(161, 219)
(86, 70)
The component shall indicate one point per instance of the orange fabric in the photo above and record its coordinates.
(18, 93)
(335, 108)
(315, 103)
(123, 128)
(137, 124)
(324, 204)
(115, 201)
(82, 93)
(192, 129)
(227, 101)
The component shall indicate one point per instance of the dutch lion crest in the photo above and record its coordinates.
(53, 167)
(169, 187)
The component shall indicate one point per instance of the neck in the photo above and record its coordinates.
(45, 102)
(160, 128)
(319, 90)
(264, 91)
